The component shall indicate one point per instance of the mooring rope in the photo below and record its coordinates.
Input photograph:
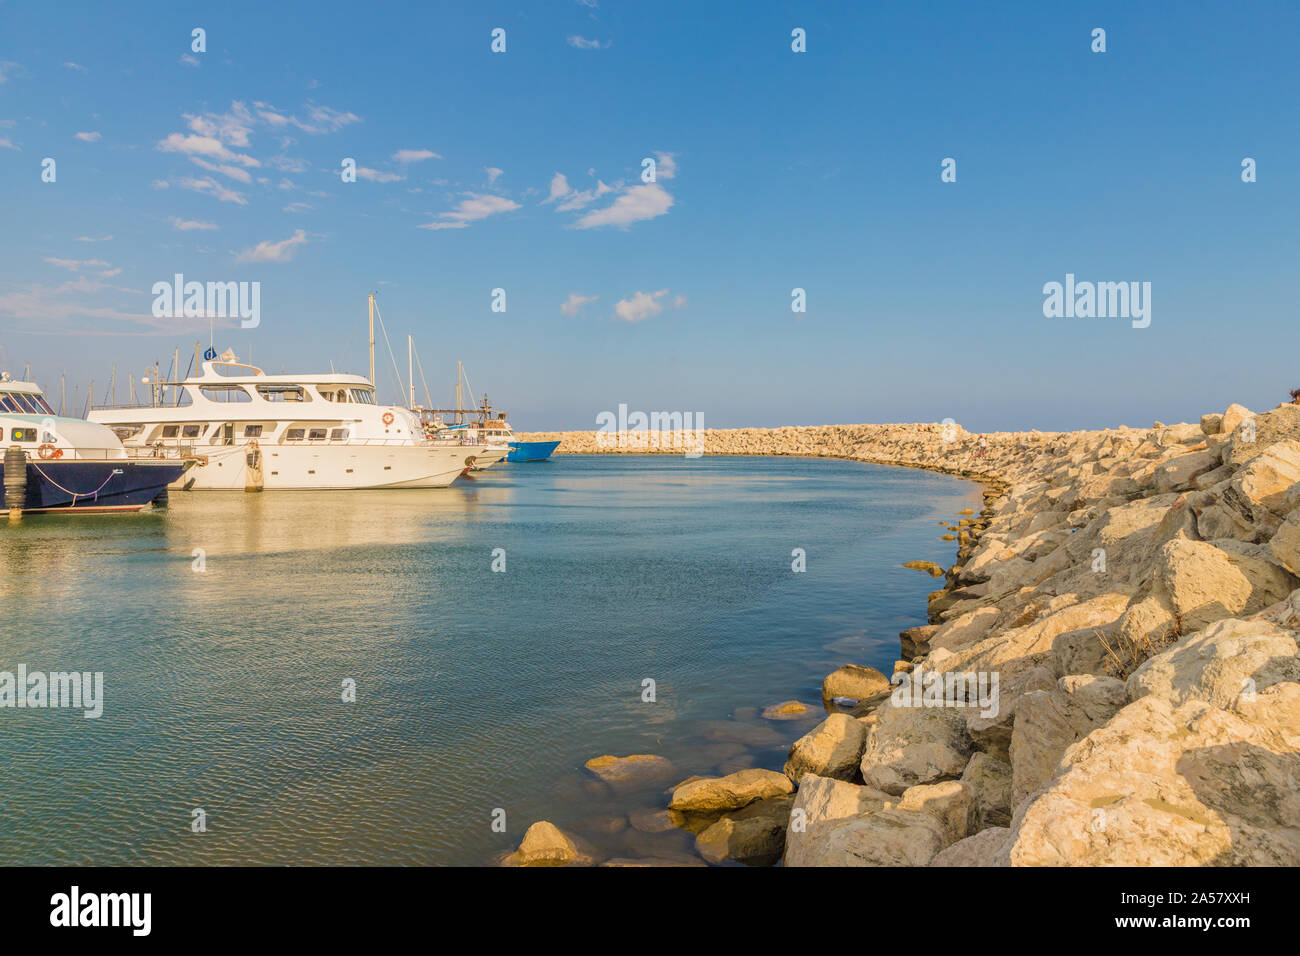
(67, 491)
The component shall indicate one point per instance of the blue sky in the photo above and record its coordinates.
(776, 170)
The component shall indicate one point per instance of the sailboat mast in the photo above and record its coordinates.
(460, 373)
(372, 338)
(410, 367)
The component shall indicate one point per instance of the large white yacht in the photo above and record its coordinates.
(285, 432)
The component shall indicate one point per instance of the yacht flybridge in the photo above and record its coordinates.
(256, 431)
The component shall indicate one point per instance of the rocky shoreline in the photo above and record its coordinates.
(1110, 675)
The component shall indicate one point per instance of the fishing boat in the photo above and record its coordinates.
(285, 432)
(488, 425)
(55, 463)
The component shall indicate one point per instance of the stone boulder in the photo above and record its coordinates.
(732, 792)
(982, 849)
(831, 749)
(545, 844)
(856, 682)
(908, 746)
(1219, 663)
(990, 781)
(636, 770)
(754, 835)
(1166, 785)
(821, 805)
(1049, 722)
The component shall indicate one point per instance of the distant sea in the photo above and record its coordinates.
(227, 627)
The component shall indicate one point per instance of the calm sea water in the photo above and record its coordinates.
(477, 691)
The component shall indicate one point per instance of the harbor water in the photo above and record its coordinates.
(498, 634)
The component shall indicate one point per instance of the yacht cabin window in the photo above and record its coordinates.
(171, 431)
(316, 434)
(191, 431)
(294, 434)
(252, 431)
(283, 393)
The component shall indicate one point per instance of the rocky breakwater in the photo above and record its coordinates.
(1110, 675)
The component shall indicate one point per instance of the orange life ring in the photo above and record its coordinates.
(47, 451)
(388, 418)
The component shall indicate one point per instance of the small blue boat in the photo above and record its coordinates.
(531, 450)
(69, 464)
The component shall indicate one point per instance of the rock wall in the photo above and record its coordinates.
(1110, 675)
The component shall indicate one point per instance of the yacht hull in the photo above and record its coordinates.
(95, 485)
(327, 467)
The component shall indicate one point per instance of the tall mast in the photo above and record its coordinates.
(460, 373)
(410, 367)
(372, 338)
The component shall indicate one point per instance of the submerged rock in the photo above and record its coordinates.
(855, 681)
(754, 835)
(545, 844)
(732, 792)
(635, 770)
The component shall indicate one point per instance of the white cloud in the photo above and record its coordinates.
(188, 59)
(206, 147)
(190, 225)
(578, 199)
(161, 184)
(76, 66)
(268, 251)
(582, 43)
(9, 68)
(211, 187)
(296, 207)
(474, 207)
(93, 238)
(492, 174)
(665, 165)
(77, 265)
(559, 187)
(376, 176)
(88, 137)
(7, 143)
(640, 306)
(414, 155)
(635, 204)
(574, 303)
(233, 172)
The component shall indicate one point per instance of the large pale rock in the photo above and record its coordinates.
(545, 844)
(952, 802)
(754, 835)
(732, 792)
(914, 745)
(1285, 543)
(831, 749)
(856, 682)
(1258, 490)
(889, 837)
(1161, 785)
(1219, 663)
(821, 805)
(1233, 417)
(982, 849)
(1048, 722)
(1201, 583)
(990, 780)
(1177, 474)
(966, 630)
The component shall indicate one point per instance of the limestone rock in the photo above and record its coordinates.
(990, 781)
(754, 835)
(1161, 785)
(982, 849)
(732, 792)
(637, 770)
(1049, 722)
(822, 804)
(831, 749)
(856, 682)
(915, 745)
(1219, 663)
(545, 844)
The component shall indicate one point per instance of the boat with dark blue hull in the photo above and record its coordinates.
(52, 463)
